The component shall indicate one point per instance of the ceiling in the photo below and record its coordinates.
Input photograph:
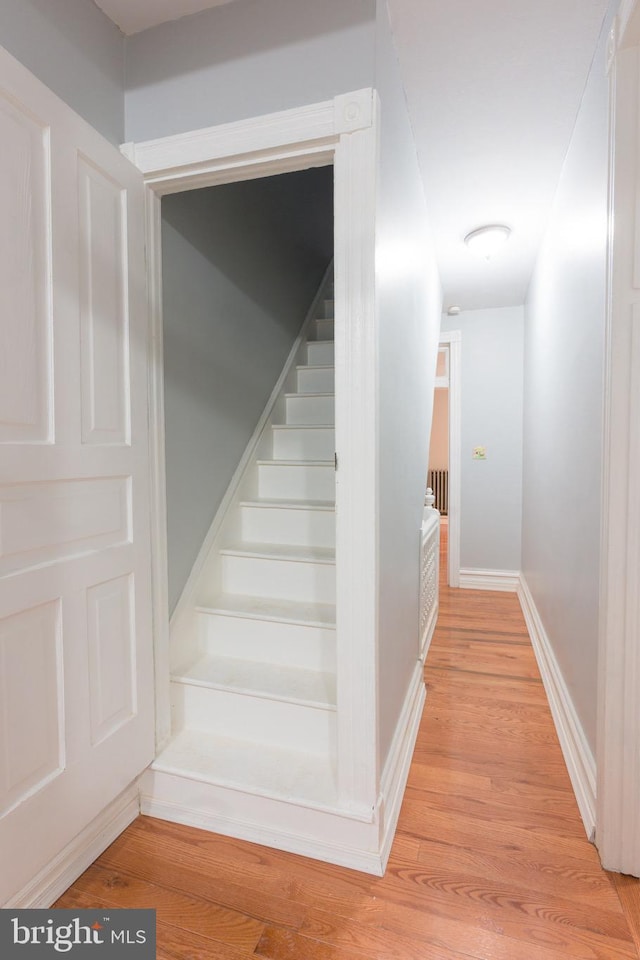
(132, 16)
(493, 88)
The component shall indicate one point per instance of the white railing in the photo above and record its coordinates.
(429, 571)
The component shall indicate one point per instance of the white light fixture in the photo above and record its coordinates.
(486, 241)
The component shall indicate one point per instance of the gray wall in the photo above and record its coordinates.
(245, 59)
(241, 265)
(491, 388)
(563, 440)
(76, 51)
(409, 302)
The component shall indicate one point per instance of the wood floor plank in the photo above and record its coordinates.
(511, 660)
(628, 891)
(483, 809)
(440, 928)
(511, 793)
(490, 860)
(177, 944)
(561, 877)
(131, 856)
(517, 915)
(190, 913)
(278, 944)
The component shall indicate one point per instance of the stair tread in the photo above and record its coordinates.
(288, 775)
(303, 426)
(328, 505)
(270, 608)
(274, 681)
(309, 396)
(281, 551)
(316, 366)
(295, 463)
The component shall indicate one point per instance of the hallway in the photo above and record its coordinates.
(490, 860)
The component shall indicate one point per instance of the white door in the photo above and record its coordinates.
(76, 666)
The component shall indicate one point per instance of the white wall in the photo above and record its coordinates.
(491, 412)
(245, 59)
(72, 47)
(564, 344)
(439, 443)
(409, 301)
(241, 265)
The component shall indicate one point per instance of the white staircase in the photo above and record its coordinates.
(253, 685)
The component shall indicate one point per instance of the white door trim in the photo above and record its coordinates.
(453, 338)
(344, 132)
(618, 737)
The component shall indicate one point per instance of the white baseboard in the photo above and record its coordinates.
(77, 856)
(332, 836)
(575, 747)
(505, 580)
(396, 768)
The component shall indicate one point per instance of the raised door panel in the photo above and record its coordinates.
(112, 655)
(31, 702)
(102, 206)
(45, 522)
(25, 277)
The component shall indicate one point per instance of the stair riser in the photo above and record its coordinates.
(282, 579)
(303, 444)
(327, 310)
(315, 528)
(320, 353)
(283, 482)
(322, 330)
(245, 717)
(311, 410)
(316, 380)
(267, 641)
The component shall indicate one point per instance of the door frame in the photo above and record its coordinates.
(618, 734)
(453, 339)
(342, 132)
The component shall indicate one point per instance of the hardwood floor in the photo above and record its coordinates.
(490, 860)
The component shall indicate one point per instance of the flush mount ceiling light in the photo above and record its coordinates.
(486, 241)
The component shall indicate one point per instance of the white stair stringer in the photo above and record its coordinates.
(253, 640)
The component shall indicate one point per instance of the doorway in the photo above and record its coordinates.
(444, 451)
(341, 133)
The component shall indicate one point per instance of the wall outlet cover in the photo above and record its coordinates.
(479, 453)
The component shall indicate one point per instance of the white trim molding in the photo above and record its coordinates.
(398, 762)
(342, 132)
(454, 340)
(78, 855)
(329, 835)
(356, 477)
(575, 747)
(618, 737)
(476, 579)
(259, 146)
(158, 493)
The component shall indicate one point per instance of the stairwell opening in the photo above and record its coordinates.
(249, 440)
